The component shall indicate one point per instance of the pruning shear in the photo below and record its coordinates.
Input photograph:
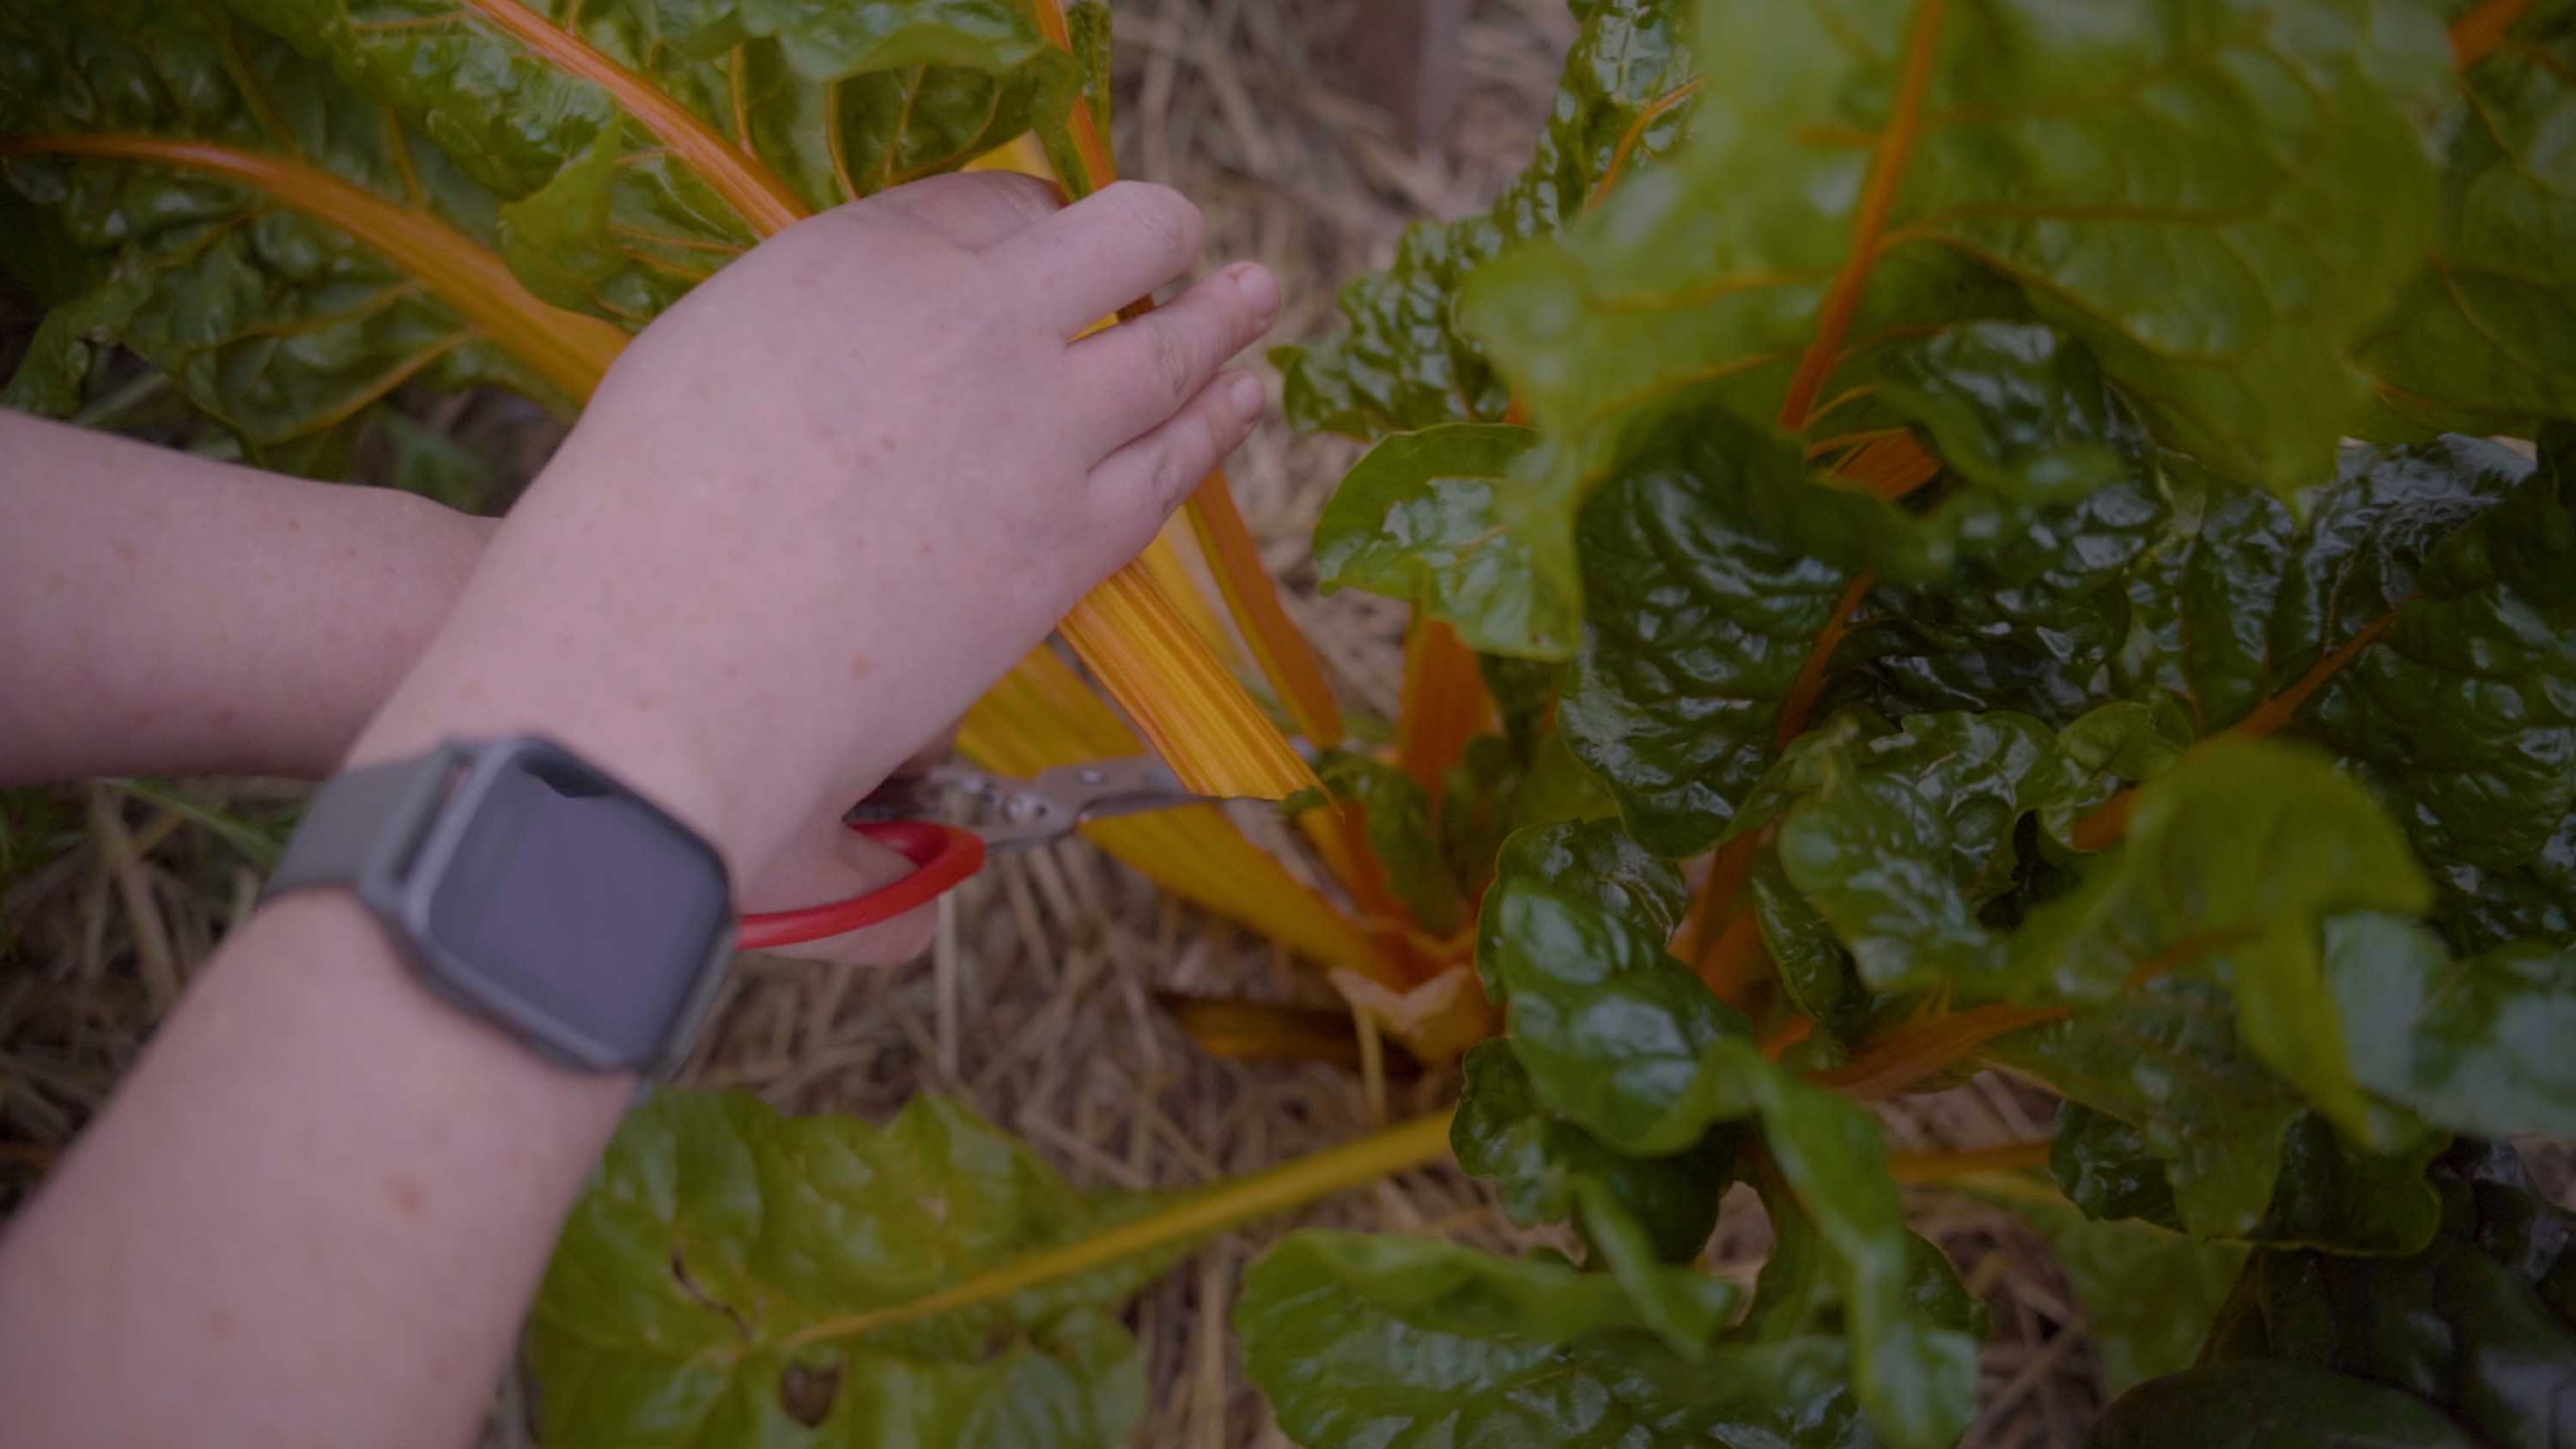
(948, 818)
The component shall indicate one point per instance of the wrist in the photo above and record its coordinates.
(662, 763)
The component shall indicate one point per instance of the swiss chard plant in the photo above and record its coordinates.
(1945, 535)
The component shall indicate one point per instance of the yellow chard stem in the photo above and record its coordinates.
(1287, 659)
(1228, 1205)
(1042, 715)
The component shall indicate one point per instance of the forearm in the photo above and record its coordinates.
(321, 1202)
(163, 613)
(316, 1209)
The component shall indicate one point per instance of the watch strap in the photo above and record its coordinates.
(360, 824)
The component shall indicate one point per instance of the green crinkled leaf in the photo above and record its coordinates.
(1570, 943)
(1905, 837)
(1397, 816)
(1816, 972)
(2480, 1045)
(2033, 621)
(1402, 364)
(1406, 1343)
(265, 315)
(829, 101)
(1540, 1162)
(2462, 714)
(2272, 1406)
(2232, 861)
(2483, 340)
(2187, 1128)
(1449, 519)
(718, 1231)
(2148, 1294)
(1628, 1044)
(2215, 200)
(1697, 623)
(1914, 1345)
(2463, 1325)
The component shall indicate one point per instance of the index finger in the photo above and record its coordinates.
(1099, 254)
(974, 209)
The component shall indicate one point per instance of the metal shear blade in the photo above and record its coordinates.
(1012, 812)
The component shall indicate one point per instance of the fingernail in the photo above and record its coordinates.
(1246, 395)
(1258, 287)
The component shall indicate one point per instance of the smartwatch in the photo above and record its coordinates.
(533, 890)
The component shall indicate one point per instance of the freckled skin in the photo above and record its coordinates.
(409, 1195)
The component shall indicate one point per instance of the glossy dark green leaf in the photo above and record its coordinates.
(698, 1291)
(2232, 861)
(2215, 201)
(1628, 1044)
(2273, 1406)
(2457, 712)
(1914, 1335)
(1405, 1343)
(2484, 339)
(819, 103)
(1638, 1216)
(2461, 1324)
(1570, 943)
(2478, 1045)
(2181, 1125)
(1451, 520)
(269, 318)
(1696, 627)
(1541, 1163)
(2148, 1293)
(2033, 620)
(1398, 818)
(1815, 970)
(1906, 837)
(1402, 364)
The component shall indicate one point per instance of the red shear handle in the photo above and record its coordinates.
(942, 855)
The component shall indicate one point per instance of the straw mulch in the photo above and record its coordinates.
(1038, 1003)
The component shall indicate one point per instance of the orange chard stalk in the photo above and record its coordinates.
(1445, 703)
(1287, 659)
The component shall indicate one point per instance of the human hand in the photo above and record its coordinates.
(821, 504)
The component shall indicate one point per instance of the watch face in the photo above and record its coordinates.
(581, 902)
